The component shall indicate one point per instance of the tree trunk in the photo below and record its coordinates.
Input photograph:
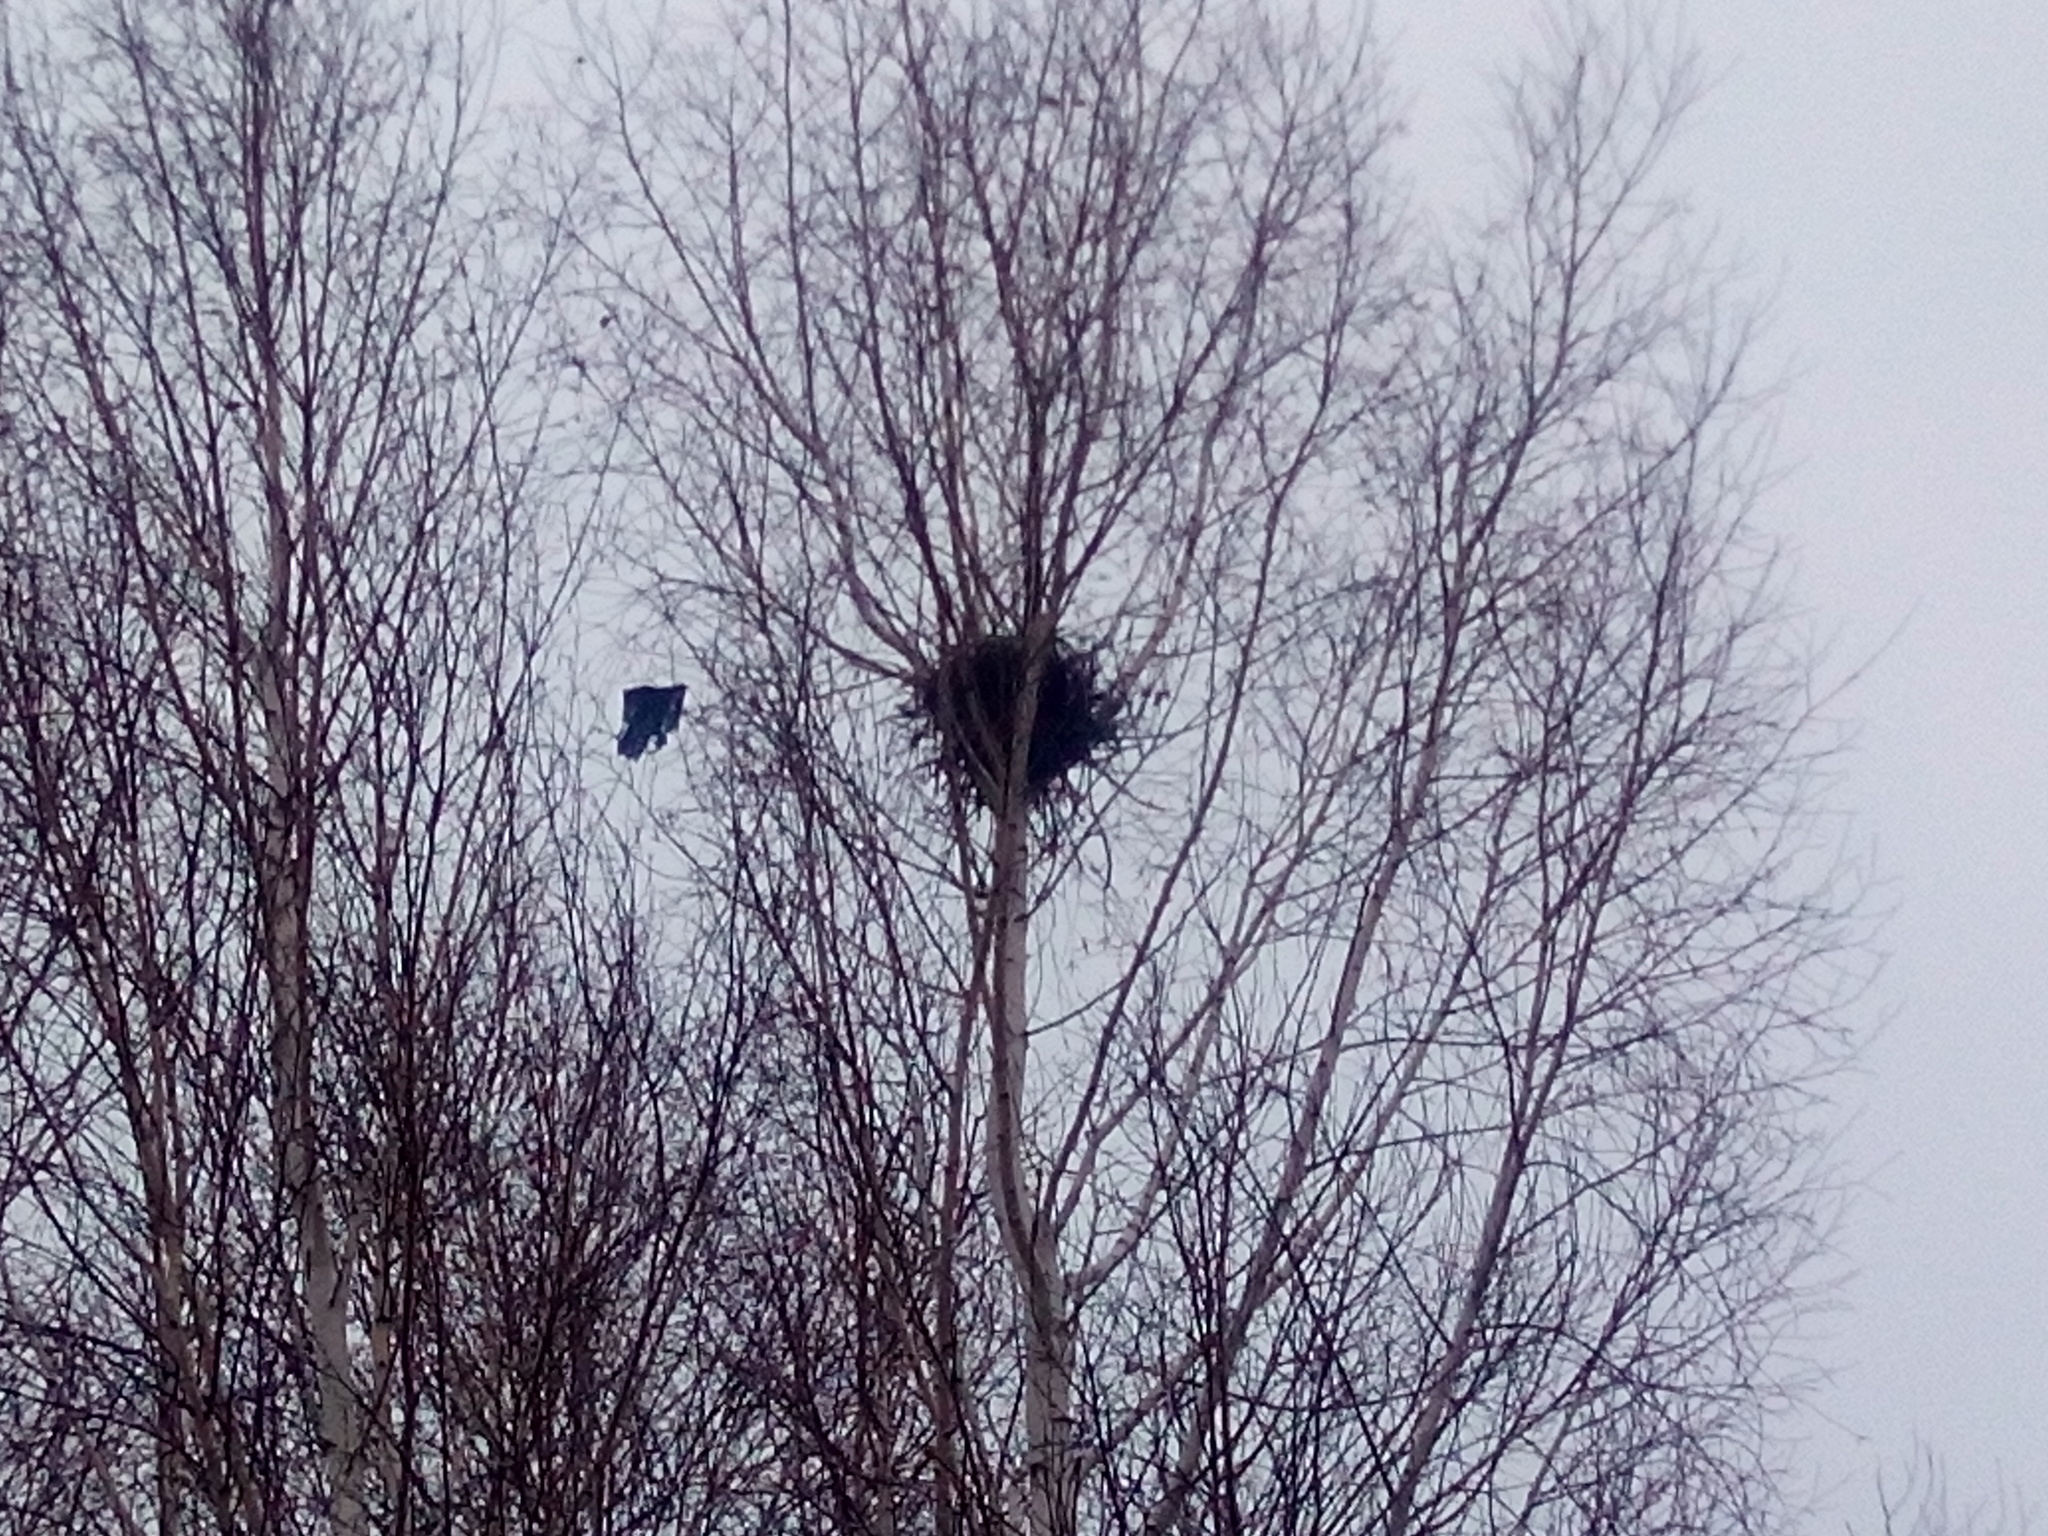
(1029, 1234)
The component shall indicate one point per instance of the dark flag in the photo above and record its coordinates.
(651, 713)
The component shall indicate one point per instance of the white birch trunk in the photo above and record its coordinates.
(283, 878)
(1030, 1236)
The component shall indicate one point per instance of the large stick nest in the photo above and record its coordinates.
(973, 699)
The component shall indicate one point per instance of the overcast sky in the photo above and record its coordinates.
(1882, 167)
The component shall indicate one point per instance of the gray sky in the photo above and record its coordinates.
(1881, 167)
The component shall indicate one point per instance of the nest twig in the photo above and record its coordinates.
(974, 697)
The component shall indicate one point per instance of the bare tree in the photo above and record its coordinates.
(1260, 747)
(360, 1160)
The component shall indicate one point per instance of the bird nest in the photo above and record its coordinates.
(973, 700)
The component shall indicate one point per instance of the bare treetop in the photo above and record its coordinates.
(1348, 1086)
(1232, 944)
